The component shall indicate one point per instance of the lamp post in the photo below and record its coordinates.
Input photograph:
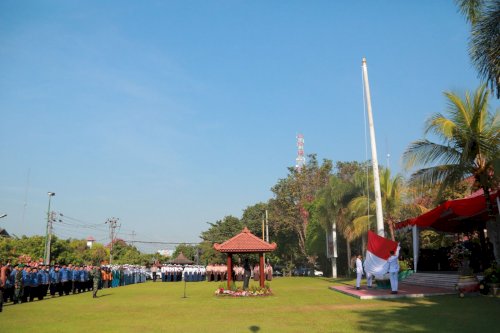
(46, 256)
(3, 215)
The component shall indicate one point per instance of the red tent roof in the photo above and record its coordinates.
(454, 215)
(245, 242)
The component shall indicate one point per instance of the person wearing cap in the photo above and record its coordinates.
(11, 282)
(26, 284)
(65, 281)
(55, 281)
(35, 283)
(96, 279)
(18, 284)
(43, 277)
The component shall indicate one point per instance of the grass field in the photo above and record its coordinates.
(299, 305)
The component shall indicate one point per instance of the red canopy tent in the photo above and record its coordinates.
(455, 215)
(452, 216)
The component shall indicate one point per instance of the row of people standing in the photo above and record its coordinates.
(26, 282)
(239, 272)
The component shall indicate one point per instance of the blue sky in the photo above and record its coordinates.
(171, 114)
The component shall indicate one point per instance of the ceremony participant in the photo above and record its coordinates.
(359, 271)
(256, 272)
(393, 269)
(269, 272)
(3, 279)
(26, 284)
(65, 280)
(154, 271)
(96, 279)
(55, 281)
(34, 283)
(9, 284)
(247, 274)
(43, 280)
(18, 284)
(369, 279)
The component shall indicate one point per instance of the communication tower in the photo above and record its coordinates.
(300, 161)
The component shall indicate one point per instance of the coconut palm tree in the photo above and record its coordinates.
(391, 189)
(484, 46)
(470, 145)
(331, 209)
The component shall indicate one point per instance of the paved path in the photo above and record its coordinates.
(405, 291)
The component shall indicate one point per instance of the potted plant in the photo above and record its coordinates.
(491, 280)
(459, 257)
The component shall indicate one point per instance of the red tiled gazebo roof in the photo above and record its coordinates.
(245, 242)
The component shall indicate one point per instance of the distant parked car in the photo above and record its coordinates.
(318, 273)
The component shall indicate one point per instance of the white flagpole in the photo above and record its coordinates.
(376, 177)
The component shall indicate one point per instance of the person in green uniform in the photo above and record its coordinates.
(18, 284)
(96, 278)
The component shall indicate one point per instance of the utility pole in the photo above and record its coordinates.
(49, 240)
(113, 223)
(267, 228)
(46, 254)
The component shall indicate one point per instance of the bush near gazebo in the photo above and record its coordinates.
(240, 292)
(491, 280)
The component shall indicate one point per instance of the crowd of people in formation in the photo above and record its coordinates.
(212, 272)
(23, 283)
(176, 273)
(218, 272)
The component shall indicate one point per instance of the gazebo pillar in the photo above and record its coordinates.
(229, 270)
(261, 268)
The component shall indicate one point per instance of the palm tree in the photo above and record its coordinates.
(470, 145)
(484, 47)
(332, 211)
(391, 190)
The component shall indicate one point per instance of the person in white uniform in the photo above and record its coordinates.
(393, 270)
(359, 271)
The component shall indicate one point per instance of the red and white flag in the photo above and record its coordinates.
(377, 253)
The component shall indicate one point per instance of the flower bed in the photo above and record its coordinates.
(244, 293)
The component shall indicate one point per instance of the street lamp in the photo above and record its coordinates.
(46, 256)
(3, 215)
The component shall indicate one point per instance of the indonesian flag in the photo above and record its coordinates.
(377, 253)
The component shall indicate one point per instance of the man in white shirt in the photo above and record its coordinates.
(393, 270)
(359, 271)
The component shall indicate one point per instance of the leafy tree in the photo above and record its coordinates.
(293, 194)
(253, 216)
(190, 251)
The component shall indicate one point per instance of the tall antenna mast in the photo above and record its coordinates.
(300, 161)
(376, 176)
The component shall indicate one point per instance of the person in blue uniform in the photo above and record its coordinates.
(34, 282)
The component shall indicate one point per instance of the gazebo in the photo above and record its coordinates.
(244, 242)
(181, 260)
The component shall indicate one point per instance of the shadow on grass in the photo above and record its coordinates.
(435, 314)
(254, 328)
